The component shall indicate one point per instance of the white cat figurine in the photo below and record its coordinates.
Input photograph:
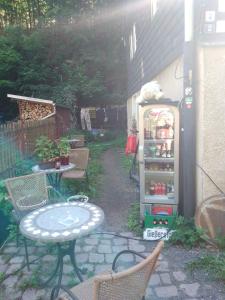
(149, 91)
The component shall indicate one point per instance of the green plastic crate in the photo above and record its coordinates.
(163, 219)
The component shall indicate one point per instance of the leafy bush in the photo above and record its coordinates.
(212, 264)
(133, 222)
(186, 233)
(63, 147)
(45, 149)
(220, 242)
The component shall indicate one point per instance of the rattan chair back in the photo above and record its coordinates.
(81, 141)
(127, 285)
(79, 157)
(28, 192)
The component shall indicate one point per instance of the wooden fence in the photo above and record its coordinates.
(17, 141)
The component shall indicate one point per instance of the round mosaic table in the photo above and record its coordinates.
(54, 175)
(59, 223)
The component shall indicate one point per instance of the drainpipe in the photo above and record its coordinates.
(188, 129)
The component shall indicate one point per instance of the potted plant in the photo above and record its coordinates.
(64, 150)
(46, 152)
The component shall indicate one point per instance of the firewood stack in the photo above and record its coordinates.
(34, 111)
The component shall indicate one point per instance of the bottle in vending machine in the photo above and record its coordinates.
(152, 189)
(156, 188)
(163, 189)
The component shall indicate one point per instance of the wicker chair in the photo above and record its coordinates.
(126, 285)
(79, 143)
(27, 193)
(80, 158)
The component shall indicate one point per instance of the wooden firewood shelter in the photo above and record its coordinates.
(33, 108)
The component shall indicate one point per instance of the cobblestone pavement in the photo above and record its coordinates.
(95, 253)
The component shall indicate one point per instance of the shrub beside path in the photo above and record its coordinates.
(96, 252)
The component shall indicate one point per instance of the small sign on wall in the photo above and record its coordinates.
(210, 16)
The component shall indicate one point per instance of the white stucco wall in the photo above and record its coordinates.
(210, 121)
(171, 80)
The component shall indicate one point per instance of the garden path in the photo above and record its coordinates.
(117, 191)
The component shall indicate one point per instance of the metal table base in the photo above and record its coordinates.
(63, 250)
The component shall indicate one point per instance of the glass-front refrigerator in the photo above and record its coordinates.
(158, 161)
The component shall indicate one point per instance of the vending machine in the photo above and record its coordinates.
(158, 165)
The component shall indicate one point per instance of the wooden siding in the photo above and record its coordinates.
(159, 41)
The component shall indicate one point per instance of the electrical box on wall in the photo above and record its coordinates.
(213, 20)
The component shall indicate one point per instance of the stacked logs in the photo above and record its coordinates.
(34, 111)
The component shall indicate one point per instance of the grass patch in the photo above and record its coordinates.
(186, 234)
(214, 265)
(31, 282)
(126, 161)
(133, 222)
(2, 276)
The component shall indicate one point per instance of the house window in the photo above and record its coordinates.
(154, 7)
(133, 42)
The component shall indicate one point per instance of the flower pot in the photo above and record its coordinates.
(44, 165)
(64, 160)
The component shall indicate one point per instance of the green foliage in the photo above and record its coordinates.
(220, 242)
(70, 66)
(24, 166)
(45, 148)
(126, 161)
(133, 221)
(212, 264)
(2, 276)
(38, 13)
(12, 229)
(186, 233)
(63, 147)
(5, 204)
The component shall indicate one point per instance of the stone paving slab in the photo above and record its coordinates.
(95, 254)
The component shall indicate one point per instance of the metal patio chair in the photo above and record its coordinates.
(79, 157)
(27, 193)
(130, 284)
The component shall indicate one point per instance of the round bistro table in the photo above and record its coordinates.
(54, 175)
(59, 223)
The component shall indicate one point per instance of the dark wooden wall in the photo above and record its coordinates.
(63, 120)
(159, 41)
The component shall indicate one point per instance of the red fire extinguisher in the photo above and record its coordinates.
(131, 144)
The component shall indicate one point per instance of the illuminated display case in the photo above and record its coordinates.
(159, 158)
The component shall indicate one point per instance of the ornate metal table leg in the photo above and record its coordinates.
(61, 255)
(54, 273)
(73, 260)
(58, 177)
(26, 253)
(50, 179)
